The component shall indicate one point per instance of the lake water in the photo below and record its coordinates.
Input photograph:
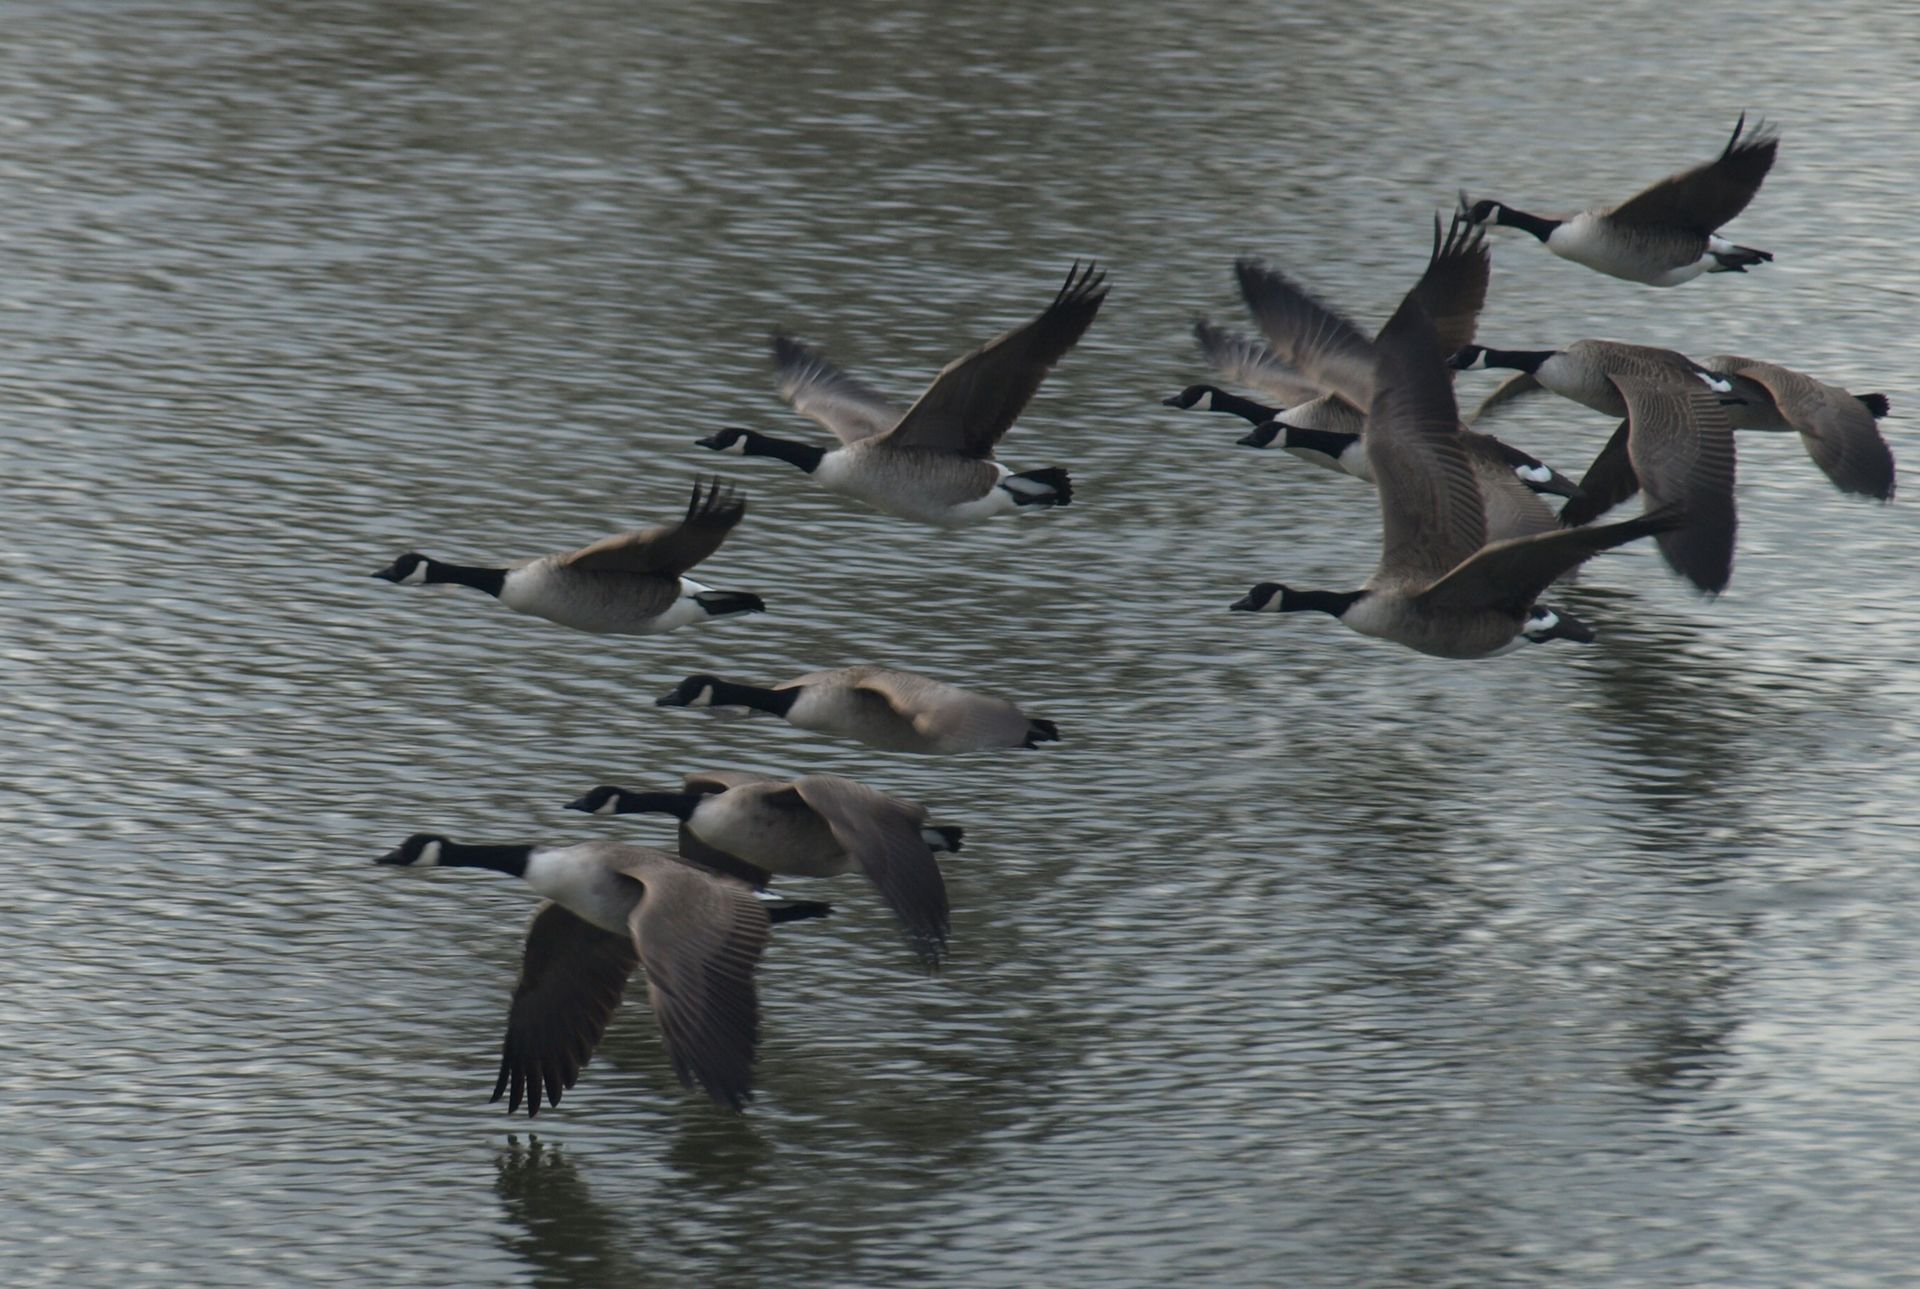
(1302, 960)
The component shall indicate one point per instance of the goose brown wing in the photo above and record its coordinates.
(1453, 289)
(1709, 195)
(699, 939)
(715, 860)
(1518, 385)
(1509, 576)
(1608, 482)
(1836, 429)
(1681, 445)
(1305, 334)
(823, 393)
(710, 781)
(667, 550)
(977, 396)
(1431, 514)
(948, 713)
(882, 834)
(571, 977)
(1247, 362)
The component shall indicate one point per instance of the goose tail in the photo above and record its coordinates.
(1048, 487)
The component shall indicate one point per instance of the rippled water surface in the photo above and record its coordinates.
(1301, 960)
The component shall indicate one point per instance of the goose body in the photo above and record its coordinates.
(818, 825)
(1589, 372)
(1440, 588)
(932, 463)
(1666, 234)
(609, 909)
(1836, 427)
(896, 711)
(630, 584)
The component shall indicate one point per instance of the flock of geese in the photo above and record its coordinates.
(1469, 544)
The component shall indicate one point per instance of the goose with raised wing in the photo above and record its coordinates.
(818, 825)
(629, 584)
(934, 462)
(896, 711)
(1440, 588)
(1666, 234)
(611, 908)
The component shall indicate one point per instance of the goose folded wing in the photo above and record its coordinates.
(572, 974)
(977, 396)
(943, 712)
(823, 393)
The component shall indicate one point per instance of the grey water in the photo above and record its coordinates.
(1300, 960)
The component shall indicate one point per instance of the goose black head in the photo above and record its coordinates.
(603, 800)
(422, 850)
(731, 439)
(694, 691)
(409, 570)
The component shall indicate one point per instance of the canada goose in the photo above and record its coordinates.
(1665, 235)
(934, 463)
(609, 908)
(1440, 588)
(630, 584)
(1675, 439)
(819, 825)
(897, 711)
(1320, 365)
(1836, 428)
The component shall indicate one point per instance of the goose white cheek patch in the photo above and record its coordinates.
(1534, 473)
(417, 576)
(429, 855)
(1715, 383)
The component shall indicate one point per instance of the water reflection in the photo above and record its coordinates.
(565, 1236)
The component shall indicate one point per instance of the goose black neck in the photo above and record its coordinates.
(511, 860)
(678, 804)
(1333, 602)
(803, 455)
(1539, 227)
(1245, 408)
(774, 702)
(1330, 443)
(489, 580)
(1527, 360)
